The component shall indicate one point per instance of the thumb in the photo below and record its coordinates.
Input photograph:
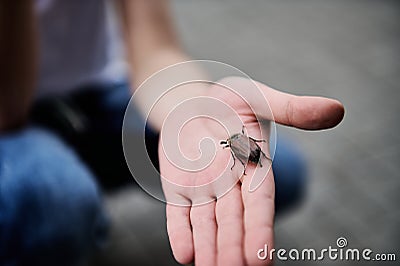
(304, 112)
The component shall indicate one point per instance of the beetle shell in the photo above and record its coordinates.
(240, 146)
(245, 148)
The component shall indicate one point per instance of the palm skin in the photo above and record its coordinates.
(229, 228)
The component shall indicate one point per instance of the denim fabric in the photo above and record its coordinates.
(50, 207)
(290, 174)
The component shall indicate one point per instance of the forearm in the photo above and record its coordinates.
(18, 61)
(152, 44)
(151, 40)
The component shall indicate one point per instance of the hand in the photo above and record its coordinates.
(231, 229)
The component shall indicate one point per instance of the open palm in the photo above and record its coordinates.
(220, 220)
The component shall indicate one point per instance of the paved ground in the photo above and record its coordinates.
(346, 49)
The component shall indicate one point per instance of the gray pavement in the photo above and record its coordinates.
(346, 49)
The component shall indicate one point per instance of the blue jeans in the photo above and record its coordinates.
(51, 210)
(50, 206)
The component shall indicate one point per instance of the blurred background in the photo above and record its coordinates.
(345, 49)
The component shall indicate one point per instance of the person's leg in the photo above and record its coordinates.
(50, 207)
(90, 120)
(289, 168)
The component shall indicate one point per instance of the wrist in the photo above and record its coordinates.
(165, 90)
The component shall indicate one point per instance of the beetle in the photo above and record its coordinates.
(244, 148)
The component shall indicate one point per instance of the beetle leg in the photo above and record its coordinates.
(234, 160)
(266, 157)
(244, 166)
(257, 140)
